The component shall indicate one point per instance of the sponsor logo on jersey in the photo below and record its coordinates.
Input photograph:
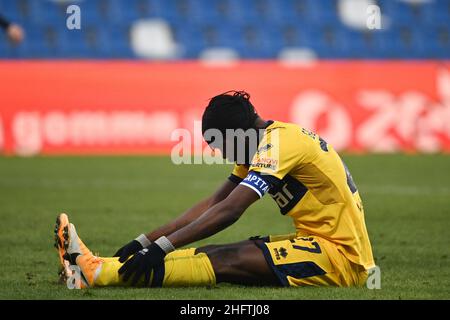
(266, 163)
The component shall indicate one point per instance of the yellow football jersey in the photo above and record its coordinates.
(310, 183)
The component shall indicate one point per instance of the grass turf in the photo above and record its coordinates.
(113, 199)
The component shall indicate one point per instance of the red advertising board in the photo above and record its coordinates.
(98, 107)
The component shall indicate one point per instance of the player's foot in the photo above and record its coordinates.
(88, 263)
(62, 224)
(61, 237)
(62, 242)
(71, 252)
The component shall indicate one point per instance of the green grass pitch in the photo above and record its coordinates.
(113, 199)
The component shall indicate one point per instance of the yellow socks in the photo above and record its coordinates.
(109, 275)
(181, 268)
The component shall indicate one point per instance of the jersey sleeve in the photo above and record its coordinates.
(238, 174)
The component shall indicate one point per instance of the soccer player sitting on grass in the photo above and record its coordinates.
(298, 169)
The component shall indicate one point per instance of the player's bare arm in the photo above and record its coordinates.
(186, 218)
(215, 219)
(193, 213)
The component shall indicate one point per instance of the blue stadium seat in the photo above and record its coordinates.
(438, 44)
(403, 12)
(208, 12)
(253, 41)
(91, 12)
(358, 45)
(256, 12)
(177, 11)
(190, 38)
(438, 13)
(118, 37)
(39, 42)
(328, 41)
(404, 39)
(49, 12)
(131, 10)
(4, 46)
(323, 11)
(292, 35)
(73, 44)
(12, 10)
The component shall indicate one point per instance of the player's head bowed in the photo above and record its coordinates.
(229, 110)
(231, 124)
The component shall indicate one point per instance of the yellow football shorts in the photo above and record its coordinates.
(311, 261)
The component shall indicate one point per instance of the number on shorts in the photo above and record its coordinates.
(316, 246)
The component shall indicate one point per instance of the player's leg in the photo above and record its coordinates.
(300, 261)
(180, 268)
(240, 263)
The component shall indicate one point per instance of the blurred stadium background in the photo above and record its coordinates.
(139, 69)
(249, 29)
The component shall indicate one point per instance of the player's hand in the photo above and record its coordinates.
(142, 264)
(132, 247)
(128, 250)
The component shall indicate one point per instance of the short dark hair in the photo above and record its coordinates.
(229, 110)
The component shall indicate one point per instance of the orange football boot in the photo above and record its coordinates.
(61, 244)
